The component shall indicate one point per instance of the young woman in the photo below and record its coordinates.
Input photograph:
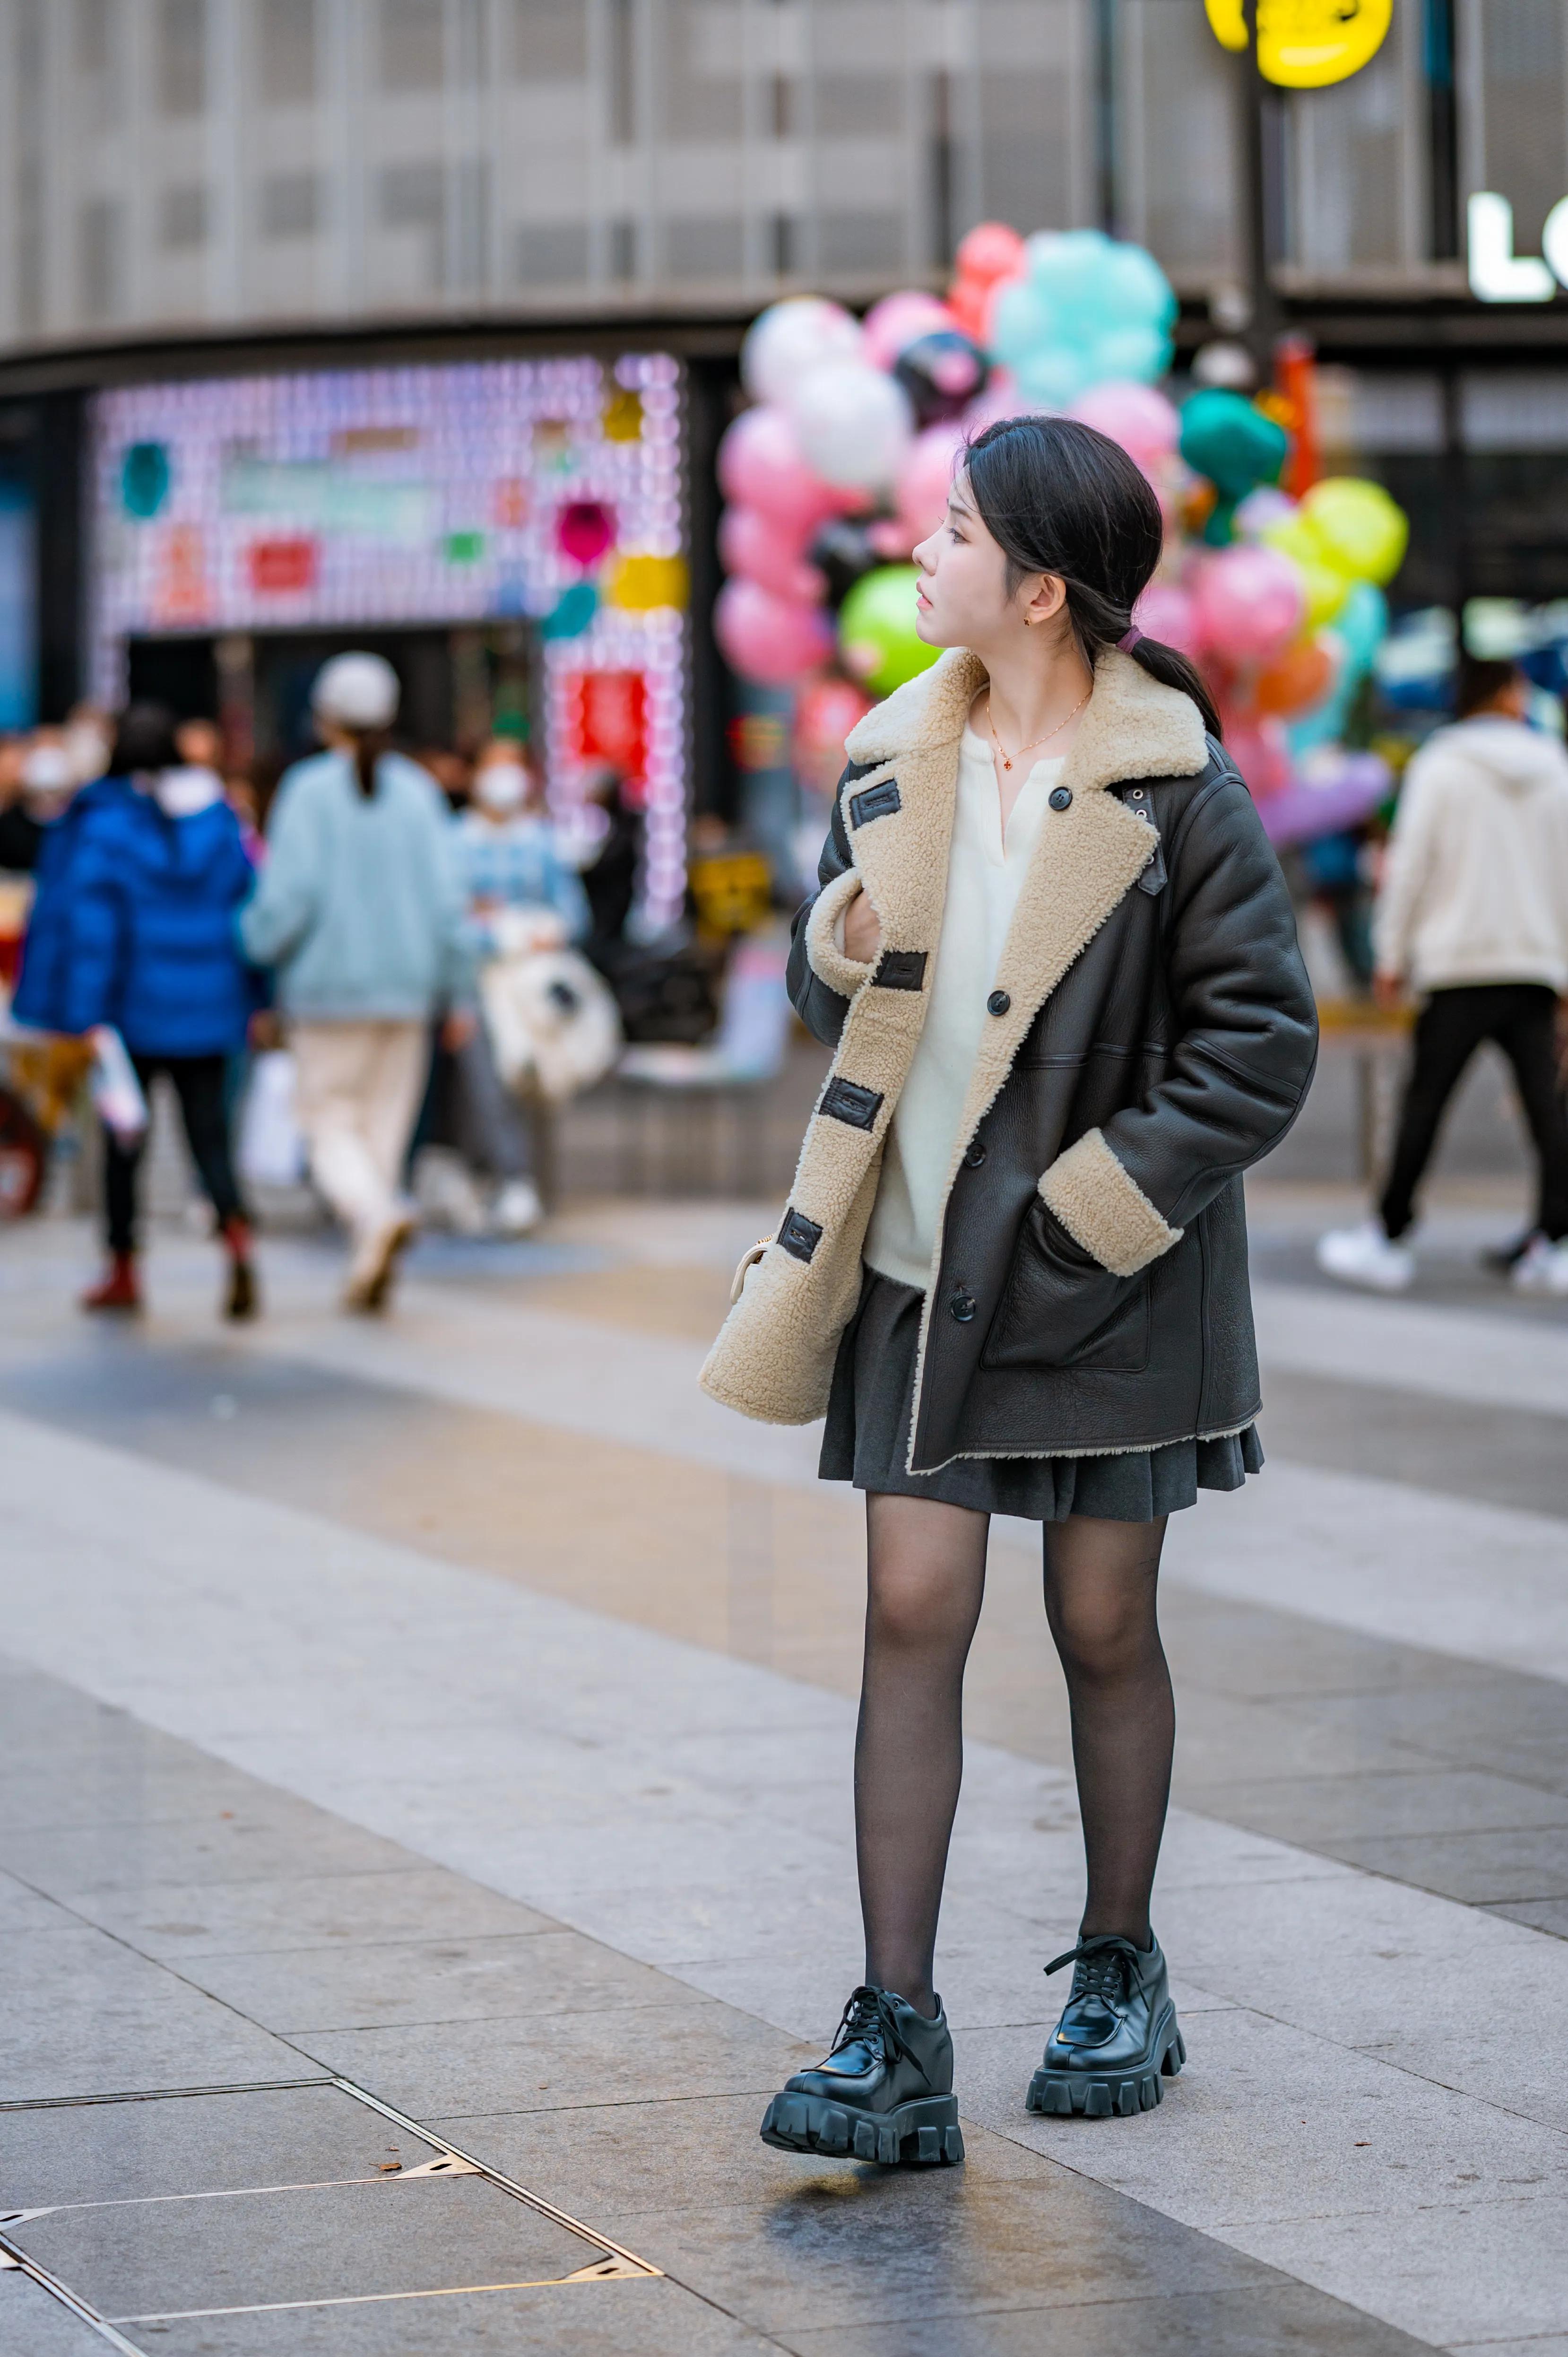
(359, 908)
(1058, 963)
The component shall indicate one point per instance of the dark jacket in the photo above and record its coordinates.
(1152, 1034)
(149, 929)
(40, 986)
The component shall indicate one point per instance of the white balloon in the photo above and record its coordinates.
(855, 425)
(791, 338)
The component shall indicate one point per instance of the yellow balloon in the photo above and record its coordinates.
(1361, 530)
(1324, 583)
(1306, 44)
(1227, 23)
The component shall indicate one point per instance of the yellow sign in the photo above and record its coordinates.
(1306, 44)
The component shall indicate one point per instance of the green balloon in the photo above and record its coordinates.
(877, 629)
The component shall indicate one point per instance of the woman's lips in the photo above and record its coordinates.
(921, 598)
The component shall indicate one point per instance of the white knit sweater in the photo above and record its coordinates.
(985, 873)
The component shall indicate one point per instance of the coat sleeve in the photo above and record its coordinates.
(821, 979)
(97, 936)
(1244, 1049)
(286, 900)
(1405, 868)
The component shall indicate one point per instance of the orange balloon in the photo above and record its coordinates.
(1300, 679)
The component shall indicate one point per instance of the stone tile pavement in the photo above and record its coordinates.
(462, 1710)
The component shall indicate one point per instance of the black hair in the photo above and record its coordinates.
(1479, 681)
(143, 739)
(1058, 497)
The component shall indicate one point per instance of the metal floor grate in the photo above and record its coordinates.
(156, 2222)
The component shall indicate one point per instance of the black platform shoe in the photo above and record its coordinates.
(883, 2093)
(1118, 2034)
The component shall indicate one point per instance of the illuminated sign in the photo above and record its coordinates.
(1306, 44)
(459, 493)
(1498, 274)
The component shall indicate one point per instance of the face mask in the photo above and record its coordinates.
(180, 794)
(47, 769)
(503, 786)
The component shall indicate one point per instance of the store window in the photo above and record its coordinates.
(1514, 129)
(1178, 187)
(1357, 167)
(286, 41)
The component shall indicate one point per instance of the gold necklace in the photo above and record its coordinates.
(1008, 759)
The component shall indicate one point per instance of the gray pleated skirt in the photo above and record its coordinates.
(867, 1439)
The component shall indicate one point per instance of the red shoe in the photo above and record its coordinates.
(240, 1301)
(119, 1290)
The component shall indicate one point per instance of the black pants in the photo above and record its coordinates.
(1522, 1017)
(200, 1083)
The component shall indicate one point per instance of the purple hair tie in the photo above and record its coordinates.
(1129, 638)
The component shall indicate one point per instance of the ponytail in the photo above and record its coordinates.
(1058, 497)
(369, 744)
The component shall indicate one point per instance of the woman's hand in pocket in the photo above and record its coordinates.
(862, 932)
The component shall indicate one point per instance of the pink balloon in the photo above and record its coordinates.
(892, 325)
(1142, 420)
(1261, 752)
(768, 639)
(757, 548)
(761, 465)
(1165, 612)
(993, 250)
(925, 477)
(1249, 604)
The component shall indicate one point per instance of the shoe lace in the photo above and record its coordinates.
(869, 2016)
(1106, 1965)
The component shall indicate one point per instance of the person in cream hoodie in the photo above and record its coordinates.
(1472, 916)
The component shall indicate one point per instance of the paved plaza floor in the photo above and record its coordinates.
(424, 1837)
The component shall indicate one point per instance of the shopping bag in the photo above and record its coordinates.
(270, 1149)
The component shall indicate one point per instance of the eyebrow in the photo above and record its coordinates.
(958, 506)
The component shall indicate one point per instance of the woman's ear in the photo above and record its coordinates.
(1045, 599)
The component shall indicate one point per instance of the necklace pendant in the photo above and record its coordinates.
(1006, 762)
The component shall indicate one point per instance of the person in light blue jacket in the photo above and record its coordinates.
(360, 913)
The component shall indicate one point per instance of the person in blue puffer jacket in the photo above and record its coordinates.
(145, 940)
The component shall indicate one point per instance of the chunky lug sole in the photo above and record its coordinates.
(1063, 2092)
(924, 2134)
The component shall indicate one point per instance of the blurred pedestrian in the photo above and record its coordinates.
(1067, 1010)
(359, 909)
(509, 854)
(610, 873)
(156, 877)
(1472, 916)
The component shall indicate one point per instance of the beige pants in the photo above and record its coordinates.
(358, 1091)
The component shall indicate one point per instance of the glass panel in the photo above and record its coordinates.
(1176, 160)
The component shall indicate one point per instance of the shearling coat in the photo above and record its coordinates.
(1151, 1033)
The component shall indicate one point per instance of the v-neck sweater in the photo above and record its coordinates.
(986, 868)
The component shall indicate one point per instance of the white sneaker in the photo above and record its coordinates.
(517, 1208)
(1542, 1268)
(1364, 1256)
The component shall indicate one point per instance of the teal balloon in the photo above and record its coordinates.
(145, 476)
(1088, 309)
(1224, 437)
(1362, 622)
(572, 612)
(877, 629)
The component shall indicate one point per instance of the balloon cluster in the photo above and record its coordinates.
(844, 460)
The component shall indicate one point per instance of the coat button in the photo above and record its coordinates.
(998, 1002)
(963, 1306)
(1061, 797)
(975, 1156)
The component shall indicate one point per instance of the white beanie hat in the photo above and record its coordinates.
(358, 691)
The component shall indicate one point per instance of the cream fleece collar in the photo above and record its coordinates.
(1133, 727)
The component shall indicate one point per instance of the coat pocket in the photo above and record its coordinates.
(1061, 1309)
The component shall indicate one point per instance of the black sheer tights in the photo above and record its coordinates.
(926, 1576)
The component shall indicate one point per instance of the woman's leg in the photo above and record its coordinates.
(1100, 1583)
(201, 1084)
(925, 1565)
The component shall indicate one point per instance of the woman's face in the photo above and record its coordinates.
(963, 598)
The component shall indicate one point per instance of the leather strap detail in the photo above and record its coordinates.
(798, 1235)
(845, 1100)
(877, 801)
(902, 970)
